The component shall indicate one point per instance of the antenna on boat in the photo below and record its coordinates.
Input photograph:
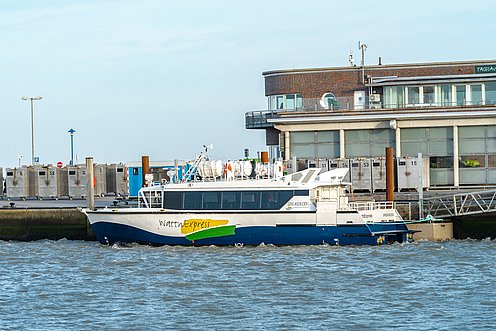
(192, 170)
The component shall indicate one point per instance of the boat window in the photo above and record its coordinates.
(231, 200)
(274, 200)
(192, 200)
(173, 200)
(211, 200)
(301, 193)
(250, 200)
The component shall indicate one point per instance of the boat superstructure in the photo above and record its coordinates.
(303, 208)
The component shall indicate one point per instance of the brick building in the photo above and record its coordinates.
(444, 110)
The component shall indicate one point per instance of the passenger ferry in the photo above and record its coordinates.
(226, 208)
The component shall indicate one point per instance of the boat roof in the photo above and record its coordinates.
(305, 179)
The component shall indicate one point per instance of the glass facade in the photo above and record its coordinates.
(440, 95)
(477, 150)
(286, 102)
(368, 143)
(428, 141)
(437, 145)
(314, 144)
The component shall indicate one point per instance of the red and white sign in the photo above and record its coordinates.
(59, 164)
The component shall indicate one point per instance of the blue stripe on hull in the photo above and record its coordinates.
(109, 233)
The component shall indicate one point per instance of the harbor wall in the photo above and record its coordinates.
(475, 227)
(44, 223)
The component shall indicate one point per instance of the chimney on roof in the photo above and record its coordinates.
(380, 61)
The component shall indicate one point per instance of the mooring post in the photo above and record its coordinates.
(389, 174)
(90, 189)
(145, 168)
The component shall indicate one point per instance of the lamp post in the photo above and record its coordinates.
(32, 99)
(71, 132)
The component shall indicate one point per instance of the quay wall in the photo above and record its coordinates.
(23, 224)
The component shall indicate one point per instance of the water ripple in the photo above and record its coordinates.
(83, 285)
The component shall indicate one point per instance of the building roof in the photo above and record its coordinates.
(379, 67)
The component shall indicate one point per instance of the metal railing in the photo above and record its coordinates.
(360, 206)
(259, 119)
(460, 204)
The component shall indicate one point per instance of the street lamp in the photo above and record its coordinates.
(32, 99)
(71, 132)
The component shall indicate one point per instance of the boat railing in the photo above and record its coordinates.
(372, 205)
(150, 199)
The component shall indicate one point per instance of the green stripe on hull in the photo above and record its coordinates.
(220, 231)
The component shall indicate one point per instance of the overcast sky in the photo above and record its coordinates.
(162, 78)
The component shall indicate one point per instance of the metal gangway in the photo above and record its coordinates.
(460, 204)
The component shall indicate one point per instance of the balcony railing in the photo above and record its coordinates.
(259, 119)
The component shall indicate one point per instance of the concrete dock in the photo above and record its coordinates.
(50, 223)
(33, 219)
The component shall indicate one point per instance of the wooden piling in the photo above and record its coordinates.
(90, 189)
(145, 168)
(389, 174)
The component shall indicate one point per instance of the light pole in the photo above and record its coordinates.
(32, 99)
(71, 132)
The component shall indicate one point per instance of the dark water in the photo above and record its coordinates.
(83, 285)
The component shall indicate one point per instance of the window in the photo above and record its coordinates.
(413, 95)
(490, 93)
(461, 95)
(437, 162)
(231, 200)
(250, 200)
(368, 143)
(211, 200)
(428, 141)
(446, 96)
(275, 200)
(173, 200)
(394, 97)
(288, 102)
(192, 200)
(476, 94)
(314, 144)
(280, 102)
(428, 95)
